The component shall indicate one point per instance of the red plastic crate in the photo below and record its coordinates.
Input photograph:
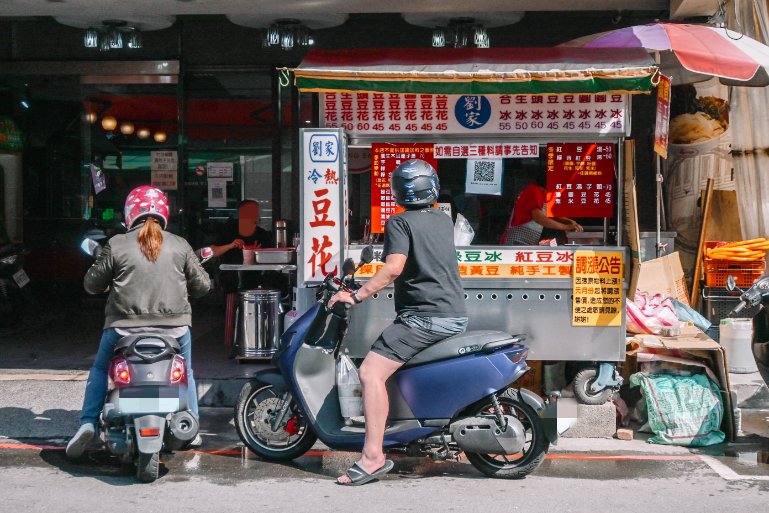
(745, 273)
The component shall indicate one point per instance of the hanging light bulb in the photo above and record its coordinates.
(115, 39)
(273, 35)
(91, 38)
(439, 37)
(90, 117)
(159, 137)
(108, 123)
(481, 38)
(127, 128)
(134, 39)
(142, 133)
(287, 39)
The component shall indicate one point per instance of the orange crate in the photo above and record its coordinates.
(745, 273)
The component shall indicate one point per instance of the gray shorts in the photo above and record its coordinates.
(404, 338)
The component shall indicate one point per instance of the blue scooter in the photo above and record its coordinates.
(453, 397)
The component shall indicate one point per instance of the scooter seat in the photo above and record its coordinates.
(464, 344)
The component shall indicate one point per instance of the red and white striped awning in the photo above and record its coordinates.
(478, 70)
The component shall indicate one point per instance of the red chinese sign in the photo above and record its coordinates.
(662, 125)
(385, 157)
(580, 179)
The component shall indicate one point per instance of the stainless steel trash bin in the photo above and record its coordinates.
(258, 323)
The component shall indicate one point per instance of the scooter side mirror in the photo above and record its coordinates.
(91, 247)
(367, 255)
(731, 284)
(348, 267)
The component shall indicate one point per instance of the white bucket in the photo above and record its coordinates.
(735, 338)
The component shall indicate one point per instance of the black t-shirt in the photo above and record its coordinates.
(430, 283)
(230, 232)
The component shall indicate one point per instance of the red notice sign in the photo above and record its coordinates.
(385, 157)
(580, 180)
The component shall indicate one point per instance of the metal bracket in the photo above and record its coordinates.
(607, 377)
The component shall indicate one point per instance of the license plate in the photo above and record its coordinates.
(21, 278)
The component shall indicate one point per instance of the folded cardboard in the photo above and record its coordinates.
(663, 275)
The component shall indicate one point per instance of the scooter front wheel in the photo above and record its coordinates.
(257, 406)
(513, 466)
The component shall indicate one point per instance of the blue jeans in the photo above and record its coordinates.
(96, 387)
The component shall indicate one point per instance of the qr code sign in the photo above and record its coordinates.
(484, 171)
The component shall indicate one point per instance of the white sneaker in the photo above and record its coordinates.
(77, 444)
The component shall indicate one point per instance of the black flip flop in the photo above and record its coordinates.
(358, 476)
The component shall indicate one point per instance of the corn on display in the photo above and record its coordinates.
(740, 251)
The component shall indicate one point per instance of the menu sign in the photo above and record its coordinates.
(522, 114)
(163, 169)
(496, 263)
(385, 157)
(580, 179)
(597, 289)
(321, 185)
(662, 126)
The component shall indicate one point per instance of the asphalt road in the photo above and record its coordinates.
(579, 475)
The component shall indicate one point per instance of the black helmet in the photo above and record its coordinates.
(414, 184)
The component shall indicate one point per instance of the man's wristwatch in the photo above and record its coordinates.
(355, 298)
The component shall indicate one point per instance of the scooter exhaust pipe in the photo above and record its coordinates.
(182, 428)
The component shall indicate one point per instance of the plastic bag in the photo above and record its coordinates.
(682, 410)
(686, 313)
(463, 231)
(349, 388)
(649, 314)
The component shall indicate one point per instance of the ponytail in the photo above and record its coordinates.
(150, 239)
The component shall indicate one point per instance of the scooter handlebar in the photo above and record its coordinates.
(737, 309)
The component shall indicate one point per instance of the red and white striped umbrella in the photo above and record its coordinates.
(692, 53)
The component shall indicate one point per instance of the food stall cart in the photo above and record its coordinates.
(568, 108)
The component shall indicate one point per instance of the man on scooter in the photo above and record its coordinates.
(420, 258)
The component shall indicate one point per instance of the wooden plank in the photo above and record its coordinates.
(632, 234)
(724, 223)
(708, 198)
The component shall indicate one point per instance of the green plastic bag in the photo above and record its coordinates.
(682, 410)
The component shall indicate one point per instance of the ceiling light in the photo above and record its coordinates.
(127, 128)
(159, 137)
(112, 35)
(461, 32)
(287, 33)
(134, 39)
(142, 133)
(108, 123)
(90, 117)
(91, 38)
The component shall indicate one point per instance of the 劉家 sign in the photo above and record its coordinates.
(580, 179)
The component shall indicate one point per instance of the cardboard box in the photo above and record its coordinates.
(694, 344)
(663, 275)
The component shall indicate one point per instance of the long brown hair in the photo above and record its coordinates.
(150, 239)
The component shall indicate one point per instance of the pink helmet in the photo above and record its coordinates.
(146, 201)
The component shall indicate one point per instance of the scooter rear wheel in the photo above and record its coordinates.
(257, 406)
(515, 466)
(148, 467)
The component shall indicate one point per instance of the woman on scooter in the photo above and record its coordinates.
(149, 273)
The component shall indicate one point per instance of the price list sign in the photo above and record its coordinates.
(580, 179)
(385, 157)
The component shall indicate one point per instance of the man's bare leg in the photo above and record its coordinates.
(374, 372)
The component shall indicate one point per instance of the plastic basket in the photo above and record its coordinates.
(745, 273)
